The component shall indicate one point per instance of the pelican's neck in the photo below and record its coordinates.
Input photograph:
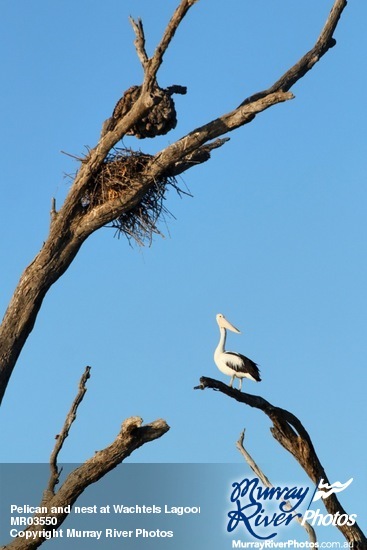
(222, 340)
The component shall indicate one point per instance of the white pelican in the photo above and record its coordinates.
(234, 364)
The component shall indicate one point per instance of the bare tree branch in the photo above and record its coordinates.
(324, 42)
(292, 435)
(155, 62)
(60, 438)
(139, 41)
(227, 123)
(132, 435)
(198, 156)
(256, 469)
(73, 224)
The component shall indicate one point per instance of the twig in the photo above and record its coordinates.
(255, 468)
(53, 211)
(81, 159)
(139, 41)
(199, 156)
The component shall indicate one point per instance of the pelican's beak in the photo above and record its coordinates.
(223, 323)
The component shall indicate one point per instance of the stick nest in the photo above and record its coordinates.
(114, 179)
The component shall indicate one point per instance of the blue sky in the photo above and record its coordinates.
(274, 236)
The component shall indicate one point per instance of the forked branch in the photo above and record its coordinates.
(139, 41)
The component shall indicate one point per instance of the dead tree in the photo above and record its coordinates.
(292, 435)
(131, 200)
(125, 189)
(131, 436)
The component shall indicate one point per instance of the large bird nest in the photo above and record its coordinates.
(114, 179)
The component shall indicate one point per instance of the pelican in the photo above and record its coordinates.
(234, 364)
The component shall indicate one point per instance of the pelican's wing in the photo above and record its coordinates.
(241, 363)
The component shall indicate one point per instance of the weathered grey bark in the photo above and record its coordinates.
(131, 436)
(292, 435)
(265, 481)
(72, 225)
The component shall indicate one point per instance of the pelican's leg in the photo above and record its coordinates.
(240, 384)
(231, 382)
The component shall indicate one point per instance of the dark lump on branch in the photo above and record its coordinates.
(160, 119)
